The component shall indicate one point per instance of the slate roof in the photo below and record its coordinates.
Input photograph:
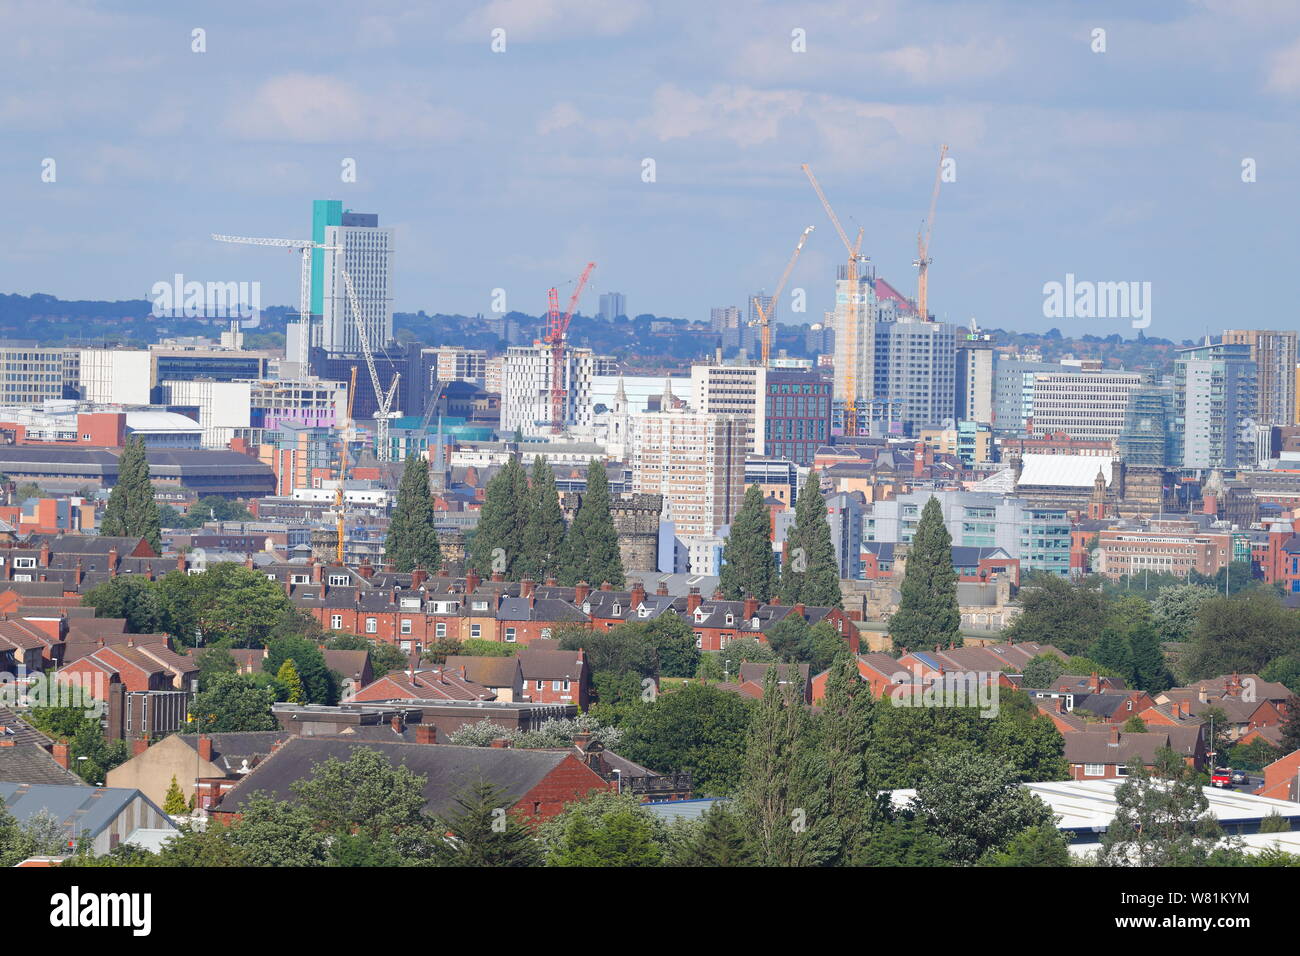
(232, 751)
(488, 671)
(1096, 747)
(448, 769)
(89, 809)
(23, 754)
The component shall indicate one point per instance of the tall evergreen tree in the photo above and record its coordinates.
(484, 833)
(780, 787)
(1150, 672)
(721, 840)
(844, 816)
(498, 540)
(1112, 650)
(131, 511)
(811, 575)
(288, 676)
(590, 551)
(544, 529)
(747, 565)
(927, 610)
(412, 540)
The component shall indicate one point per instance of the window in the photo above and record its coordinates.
(440, 630)
(336, 622)
(510, 635)
(556, 684)
(479, 606)
(475, 630)
(24, 562)
(539, 684)
(299, 579)
(699, 639)
(406, 625)
(546, 633)
(372, 626)
(1093, 770)
(339, 580)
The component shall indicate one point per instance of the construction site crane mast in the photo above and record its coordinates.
(923, 234)
(384, 400)
(557, 329)
(304, 283)
(850, 345)
(343, 467)
(764, 317)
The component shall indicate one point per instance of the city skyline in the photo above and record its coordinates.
(509, 170)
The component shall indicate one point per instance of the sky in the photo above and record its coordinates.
(512, 168)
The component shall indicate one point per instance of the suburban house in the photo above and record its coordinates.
(537, 783)
(104, 817)
(208, 764)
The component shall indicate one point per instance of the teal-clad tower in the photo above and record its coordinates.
(324, 212)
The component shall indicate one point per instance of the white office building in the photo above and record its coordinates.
(366, 252)
(1088, 405)
(526, 391)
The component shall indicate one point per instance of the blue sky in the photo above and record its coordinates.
(514, 169)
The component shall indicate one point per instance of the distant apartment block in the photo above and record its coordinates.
(29, 374)
(1088, 405)
(696, 461)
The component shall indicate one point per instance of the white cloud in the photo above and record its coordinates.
(529, 20)
(558, 117)
(1284, 70)
(949, 63)
(307, 108)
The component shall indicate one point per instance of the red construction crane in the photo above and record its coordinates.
(557, 327)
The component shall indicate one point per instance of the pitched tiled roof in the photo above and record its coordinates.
(448, 770)
(23, 754)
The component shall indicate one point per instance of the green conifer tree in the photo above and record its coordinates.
(720, 841)
(590, 551)
(1150, 672)
(485, 833)
(927, 609)
(811, 575)
(544, 530)
(174, 801)
(781, 783)
(131, 511)
(288, 676)
(412, 540)
(844, 817)
(747, 565)
(498, 539)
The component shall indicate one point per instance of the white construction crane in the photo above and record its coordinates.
(304, 291)
(384, 400)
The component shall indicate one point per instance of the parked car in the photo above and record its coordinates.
(1239, 777)
(1222, 777)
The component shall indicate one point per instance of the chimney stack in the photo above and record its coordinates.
(426, 734)
(205, 747)
(580, 592)
(471, 581)
(693, 600)
(638, 594)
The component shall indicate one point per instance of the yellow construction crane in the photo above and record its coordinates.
(923, 259)
(765, 318)
(850, 345)
(343, 467)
